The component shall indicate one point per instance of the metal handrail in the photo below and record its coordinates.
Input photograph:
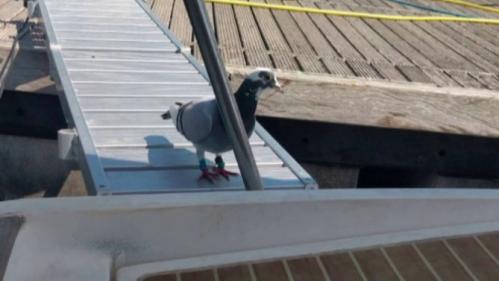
(226, 102)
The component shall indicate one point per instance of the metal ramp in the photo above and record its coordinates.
(120, 68)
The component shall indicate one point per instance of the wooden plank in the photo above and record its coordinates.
(363, 69)
(340, 267)
(362, 45)
(489, 81)
(409, 264)
(305, 269)
(335, 38)
(395, 39)
(256, 52)
(228, 35)
(414, 74)
(305, 54)
(234, 273)
(375, 266)
(470, 56)
(10, 10)
(491, 243)
(202, 275)
(432, 49)
(270, 271)
(381, 104)
(329, 56)
(275, 42)
(482, 266)
(440, 78)
(163, 9)
(465, 79)
(442, 261)
(473, 43)
(180, 24)
(385, 48)
(389, 72)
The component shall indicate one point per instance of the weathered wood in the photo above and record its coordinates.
(270, 271)
(380, 104)
(275, 42)
(305, 269)
(475, 258)
(233, 273)
(228, 36)
(251, 38)
(409, 264)
(442, 261)
(375, 266)
(341, 267)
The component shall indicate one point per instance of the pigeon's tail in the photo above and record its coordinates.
(172, 112)
(167, 115)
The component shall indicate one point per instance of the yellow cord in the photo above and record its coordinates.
(355, 14)
(472, 5)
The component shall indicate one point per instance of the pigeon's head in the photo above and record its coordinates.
(259, 80)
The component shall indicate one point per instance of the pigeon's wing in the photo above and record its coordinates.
(197, 120)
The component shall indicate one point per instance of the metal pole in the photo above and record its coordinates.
(226, 101)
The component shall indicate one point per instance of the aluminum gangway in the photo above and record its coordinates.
(118, 68)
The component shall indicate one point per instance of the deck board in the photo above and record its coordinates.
(231, 273)
(375, 266)
(351, 47)
(305, 269)
(430, 260)
(477, 260)
(444, 264)
(409, 264)
(270, 271)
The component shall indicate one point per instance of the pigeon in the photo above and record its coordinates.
(200, 122)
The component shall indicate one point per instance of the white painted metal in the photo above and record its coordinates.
(128, 237)
(121, 69)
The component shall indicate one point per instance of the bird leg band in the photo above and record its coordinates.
(220, 162)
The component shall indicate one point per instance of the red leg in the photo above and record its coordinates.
(207, 175)
(224, 173)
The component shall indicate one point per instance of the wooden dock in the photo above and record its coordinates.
(444, 54)
(472, 258)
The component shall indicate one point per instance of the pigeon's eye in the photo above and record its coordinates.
(266, 77)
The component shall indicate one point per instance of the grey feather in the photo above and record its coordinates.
(200, 121)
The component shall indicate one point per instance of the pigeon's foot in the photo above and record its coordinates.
(224, 173)
(208, 176)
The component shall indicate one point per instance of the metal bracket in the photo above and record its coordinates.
(67, 142)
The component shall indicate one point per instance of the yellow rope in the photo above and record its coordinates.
(472, 5)
(356, 14)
